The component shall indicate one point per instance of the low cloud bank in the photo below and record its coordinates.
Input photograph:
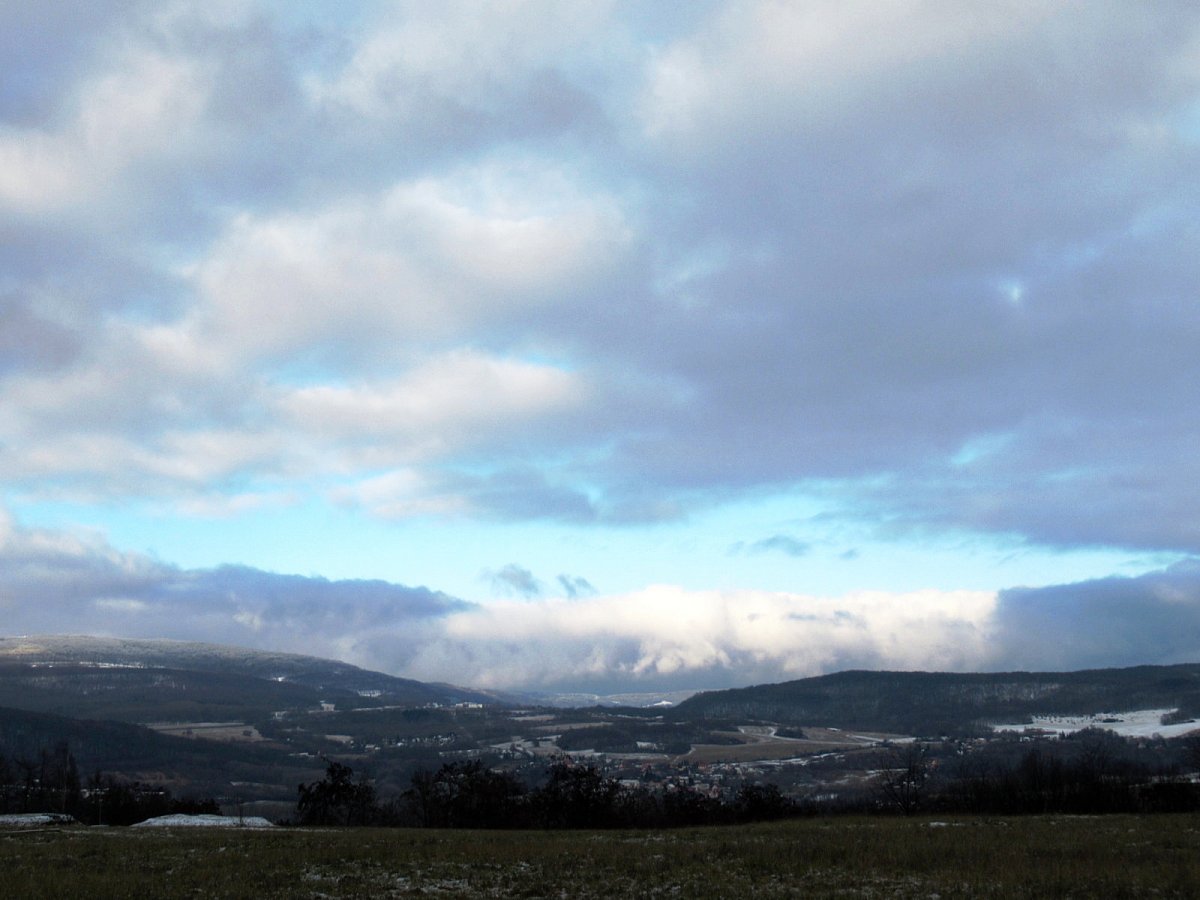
(1153, 618)
(660, 637)
(52, 582)
(665, 636)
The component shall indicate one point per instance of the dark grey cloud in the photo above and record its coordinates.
(44, 46)
(524, 493)
(980, 251)
(52, 582)
(32, 341)
(1149, 619)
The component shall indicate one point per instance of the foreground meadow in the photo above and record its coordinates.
(1111, 856)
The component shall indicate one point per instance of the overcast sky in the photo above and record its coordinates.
(605, 345)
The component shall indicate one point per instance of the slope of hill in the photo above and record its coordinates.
(186, 766)
(930, 703)
(145, 681)
(247, 723)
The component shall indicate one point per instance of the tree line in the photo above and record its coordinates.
(49, 781)
(468, 794)
(1090, 774)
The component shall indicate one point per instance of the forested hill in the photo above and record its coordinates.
(144, 680)
(140, 754)
(932, 703)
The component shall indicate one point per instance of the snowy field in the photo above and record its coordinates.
(1139, 723)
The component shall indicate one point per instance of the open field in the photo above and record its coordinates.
(762, 743)
(232, 732)
(757, 751)
(1110, 857)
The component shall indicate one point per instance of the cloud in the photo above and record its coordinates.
(669, 637)
(145, 106)
(31, 338)
(460, 69)
(660, 637)
(780, 543)
(666, 636)
(513, 579)
(882, 345)
(583, 264)
(576, 586)
(53, 582)
(1153, 618)
(441, 403)
(424, 260)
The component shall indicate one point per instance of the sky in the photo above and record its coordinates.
(602, 345)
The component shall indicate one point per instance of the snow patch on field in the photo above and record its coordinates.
(1139, 723)
(205, 821)
(34, 820)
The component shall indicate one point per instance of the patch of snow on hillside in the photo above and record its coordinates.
(1139, 723)
(32, 820)
(179, 820)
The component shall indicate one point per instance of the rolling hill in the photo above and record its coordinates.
(934, 703)
(187, 767)
(156, 681)
(266, 716)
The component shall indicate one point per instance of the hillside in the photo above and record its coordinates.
(227, 721)
(931, 703)
(188, 767)
(155, 681)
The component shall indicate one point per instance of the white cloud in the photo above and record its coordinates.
(431, 259)
(667, 634)
(144, 108)
(402, 493)
(35, 171)
(446, 401)
(765, 67)
(119, 606)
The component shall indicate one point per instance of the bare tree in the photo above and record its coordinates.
(1191, 752)
(903, 783)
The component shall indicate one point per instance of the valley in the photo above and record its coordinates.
(245, 728)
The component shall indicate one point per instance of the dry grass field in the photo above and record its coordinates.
(1109, 857)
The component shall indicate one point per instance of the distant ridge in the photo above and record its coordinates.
(154, 680)
(934, 703)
